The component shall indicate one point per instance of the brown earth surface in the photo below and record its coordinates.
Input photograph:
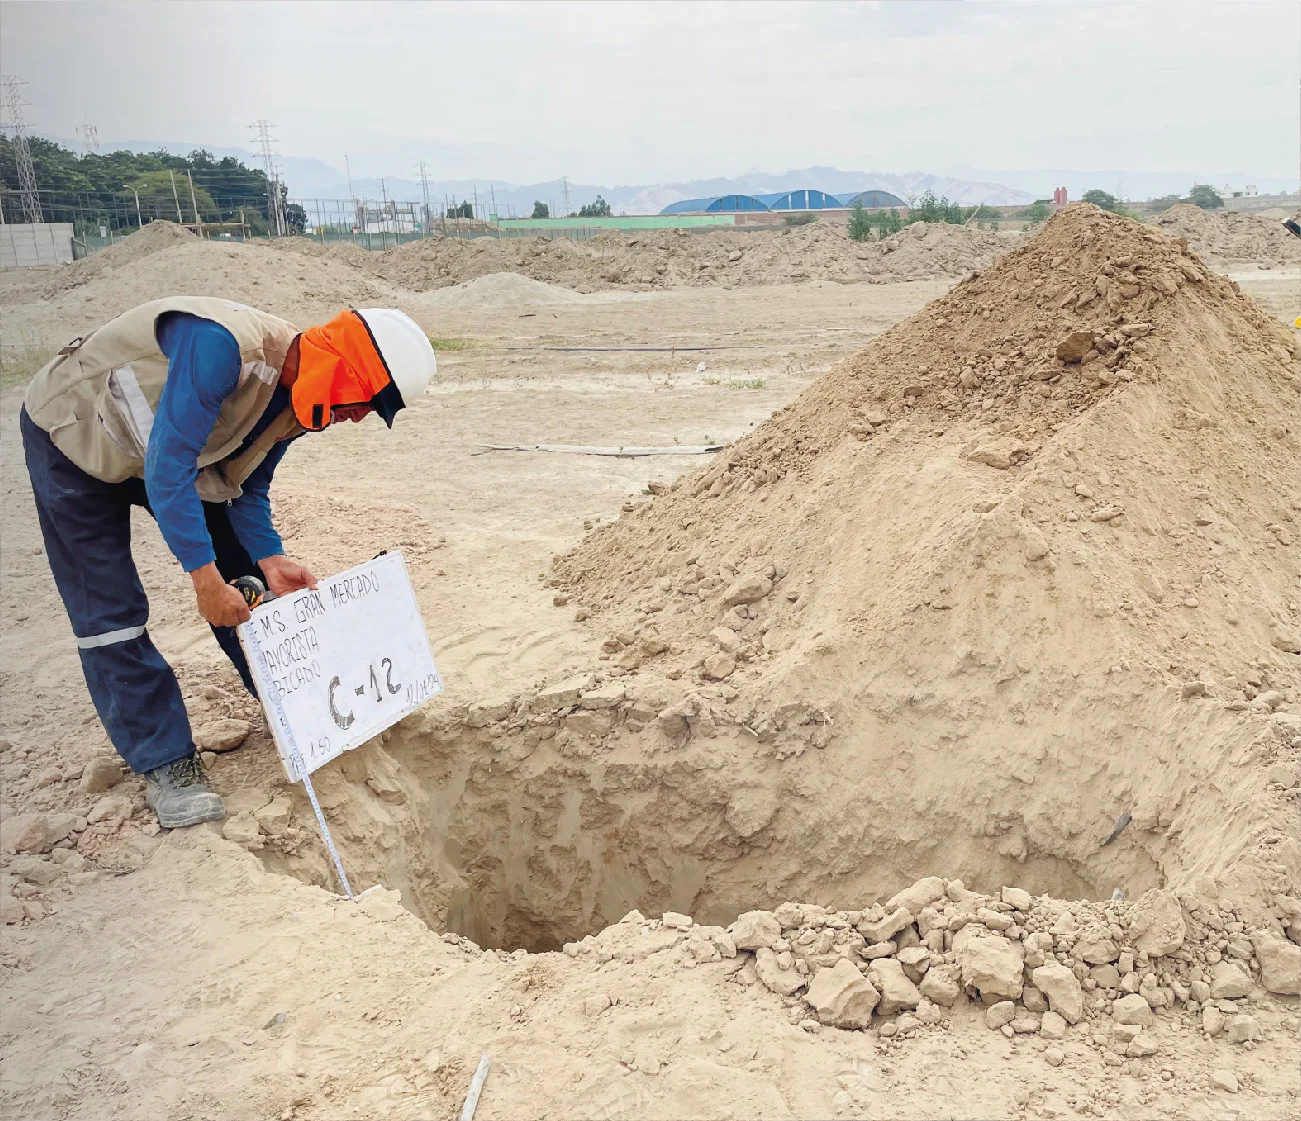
(1227, 237)
(960, 679)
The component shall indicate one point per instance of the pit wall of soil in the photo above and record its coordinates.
(524, 833)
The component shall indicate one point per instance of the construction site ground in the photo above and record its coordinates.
(211, 973)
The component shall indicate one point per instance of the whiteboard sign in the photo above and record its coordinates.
(336, 666)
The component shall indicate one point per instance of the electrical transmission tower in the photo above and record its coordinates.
(89, 139)
(265, 140)
(424, 187)
(564, 190)
(17, 128)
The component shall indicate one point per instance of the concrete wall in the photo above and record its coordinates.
(24, 244)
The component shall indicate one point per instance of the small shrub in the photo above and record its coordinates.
(18, 365)
(746, 383)
(801, 219)
(452, 344)
(860, 223)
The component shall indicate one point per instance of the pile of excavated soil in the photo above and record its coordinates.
(1023, 569)
(676, 258)
(1230, 237)
(503, 289)
(163, 260)
(150, 239)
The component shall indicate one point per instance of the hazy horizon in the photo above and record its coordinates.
(654, 93)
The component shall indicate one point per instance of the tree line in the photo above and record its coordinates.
(97, 187)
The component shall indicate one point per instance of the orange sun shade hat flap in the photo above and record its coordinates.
(338, 364)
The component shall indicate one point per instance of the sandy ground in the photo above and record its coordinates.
(180, 976)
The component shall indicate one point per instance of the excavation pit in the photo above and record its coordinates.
(517, 847)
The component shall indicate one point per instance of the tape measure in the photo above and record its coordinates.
(253, 590)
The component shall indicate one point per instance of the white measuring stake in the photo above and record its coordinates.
(282, 725)
(337, 666)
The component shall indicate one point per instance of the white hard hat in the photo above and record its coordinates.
(407, 355)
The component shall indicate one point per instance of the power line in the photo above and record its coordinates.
(13, 105)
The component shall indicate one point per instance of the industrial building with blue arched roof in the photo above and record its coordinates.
(804, 199)
(871, 199)
(723, 203)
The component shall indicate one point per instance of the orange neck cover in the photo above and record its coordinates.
(338, 364)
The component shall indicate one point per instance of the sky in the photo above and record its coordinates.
(633, 92)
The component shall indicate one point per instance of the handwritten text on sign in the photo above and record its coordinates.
(338, 665)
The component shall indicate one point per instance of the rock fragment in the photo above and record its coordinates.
(1156, 923)
(996, 1015)
(1062, 988)
(885, 929)
(1242, 1028)
(940, 985)
(1225, 1080)
(992, 966)
(1018, 898)
(999, 454)
(1052, 1026)
(1075, 346)
(842, 997)
(747, 589)
(1280, 964)
(1132, 1009)
(243, 830)
(782, 981)
(928, 890)
(221, 735)
(897, 991)
(755, 930)
(1229, 981)
(102, 773)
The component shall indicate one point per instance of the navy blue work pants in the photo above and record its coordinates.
(86, 525)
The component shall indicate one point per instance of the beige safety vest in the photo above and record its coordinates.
(97, 398)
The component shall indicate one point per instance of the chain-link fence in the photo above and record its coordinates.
(100, 220)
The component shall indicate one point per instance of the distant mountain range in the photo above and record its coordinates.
(312, 178)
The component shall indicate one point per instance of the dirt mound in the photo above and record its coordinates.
(150, 239)
(503, 289)
(677, 258)
(1021, 570)
(1227, 236)
(302, 288)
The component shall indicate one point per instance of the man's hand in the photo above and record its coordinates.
(285, 575)
(219, 603)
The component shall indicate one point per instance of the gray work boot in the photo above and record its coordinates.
(179, 796)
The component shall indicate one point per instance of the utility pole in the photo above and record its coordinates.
(476, 201)
(139, 221)
(383, 210)
(17, 127)
(424, 189)
(180, 221)
(198, 221)
(493, 191)
(265, 140)
(564, 188)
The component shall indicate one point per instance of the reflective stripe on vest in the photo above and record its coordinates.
(140, 414)
(108, 638)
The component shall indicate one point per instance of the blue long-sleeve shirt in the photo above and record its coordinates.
(203, 370)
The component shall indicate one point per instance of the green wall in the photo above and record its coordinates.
(645, 222)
